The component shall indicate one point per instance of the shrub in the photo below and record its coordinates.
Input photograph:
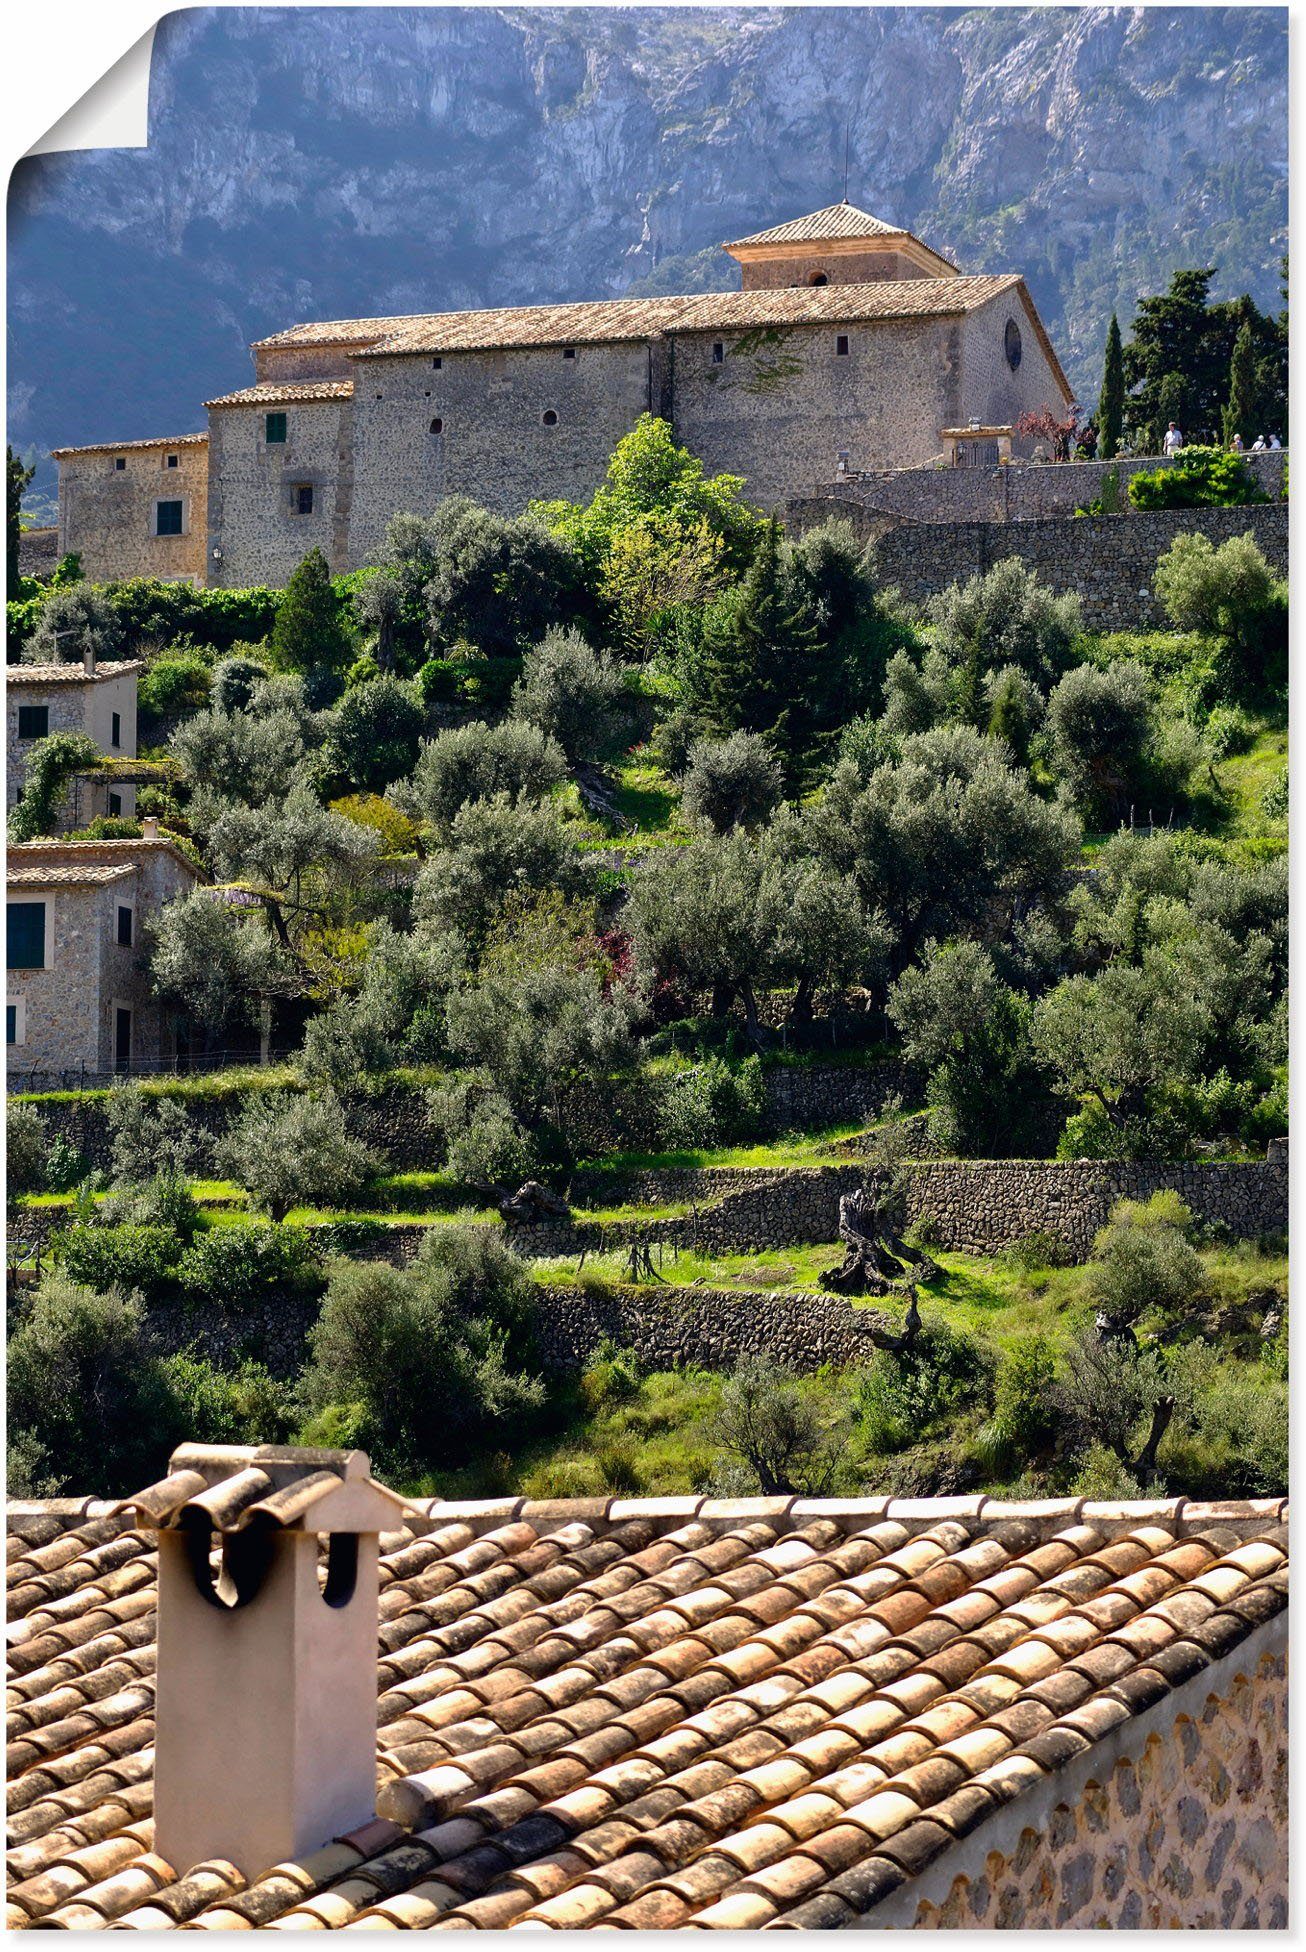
(474, 762)
(1007, 617)
(574, 695)
(27, 1141)
(73, 620)
(377, 729)
(177, 682)
(164, 1201)
(51, 764)
(149, 1135)
(65, 1167)
(904, 1394)
(485, 1142)
(1274, 800)
(734, 782)
(432, 1354)
(234, 681)
(767, 1422)
(236, 1270)
(397, 833)
(710, 1104)
(130, 1258)
(1143, 1260)
(295, 1151)
(612, 1375)
(1100, 727)
(217, 1406)
(1034, 1252)
(1024, 1408)
(1231, 593)
(87, 1399)
(353, 1238)
(1197, 477)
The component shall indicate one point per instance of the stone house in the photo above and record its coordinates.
(640, 1713)
(139, 508)
(79, 999)
(850, 346)
(98, 699)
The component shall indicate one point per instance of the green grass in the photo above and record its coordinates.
(798, 1149)
(1244, 777)
(646, 795)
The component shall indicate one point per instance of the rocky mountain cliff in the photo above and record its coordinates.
(324, 163)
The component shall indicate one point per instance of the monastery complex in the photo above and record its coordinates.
(850, 346)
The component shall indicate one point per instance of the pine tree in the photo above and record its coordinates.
(1244, 391)
(308, 632)
(1111, 411)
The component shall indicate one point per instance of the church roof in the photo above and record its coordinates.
(650, 1712)
(837, 221)
(880, 298)
(272, 393)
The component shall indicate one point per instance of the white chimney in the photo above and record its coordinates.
(265, 1702)
(88, 663)
(149, 828)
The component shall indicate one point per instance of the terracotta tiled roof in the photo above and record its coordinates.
(125, 447)
(884, 298)
(837, 220)
(602, 321)
(90, 876)
(337, 332)
(641, 1713)
(69, 674)
(38, 854)
(271, 393)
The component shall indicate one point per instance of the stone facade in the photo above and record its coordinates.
(1108, 561)
(89, 1007)
(99, 702)
(109, 508)
(771, 382)
(1185, 1830)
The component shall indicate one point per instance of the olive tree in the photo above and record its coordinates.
(294, 1150)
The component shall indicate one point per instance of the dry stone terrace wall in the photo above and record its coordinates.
(1108, 561)
(707, 1327)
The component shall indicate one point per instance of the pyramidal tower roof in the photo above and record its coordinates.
(837, 221)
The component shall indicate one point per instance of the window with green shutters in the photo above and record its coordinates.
(167, 518)
(274, 427)
(26, 933)
(33, 721)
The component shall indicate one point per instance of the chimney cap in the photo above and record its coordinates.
(234, 1486)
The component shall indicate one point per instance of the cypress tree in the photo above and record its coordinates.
(16, 480)
(1240, 411)
(308, 631)
(1111, 411)
(757, 669)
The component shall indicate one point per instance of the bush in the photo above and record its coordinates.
(612, 1375)
(237, 1270)
(711, 1104)
(734, 782)
(241, 1406)
(378, 726)
(485, 1143)
(88, 1401)
(149, 1135)
(474, 762)
(904, 1394)
(433, 1355)
(767, 1422)
(1100, 729)
(1007, 617)
(1143, 1260)
(1231, 593)
(27, 1140)
(130, 1258)
(1197, 477)
(1034, 1252)
(235, 680)
(1024, 1422)
(295, 1151)
(575, 695)
(74, 620)
(65, 1167)
(177, 682)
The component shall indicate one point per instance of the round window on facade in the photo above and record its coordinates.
(550, 417)
(1011, 344)
(818, 278)
(437, 425)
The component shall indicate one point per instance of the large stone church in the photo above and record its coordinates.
(850, 346)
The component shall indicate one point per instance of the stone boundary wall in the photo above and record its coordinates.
(710, 1328)
(1022, 492)
(1108, 561)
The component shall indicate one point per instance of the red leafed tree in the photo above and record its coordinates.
(1043, 425)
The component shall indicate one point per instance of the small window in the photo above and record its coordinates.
(119, 463)
(1011, 344)
(437, 425)
(274, 428)
(115, 729)
(33, 721)
(124, 927)
(167, 518)
(818, 278)
(11, 1023)
(549, 417)
(171, 461)
(569, 352)
(115, 806)
(303, 498)
(122, 1039)
(841, 342)
(718, 353)
(437, 363)
(26, 935)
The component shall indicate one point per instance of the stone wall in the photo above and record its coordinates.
(1191, 1834)
(1026, 492)
(107, 513)
(253, 512)
(704, 1327)
(1108, 561)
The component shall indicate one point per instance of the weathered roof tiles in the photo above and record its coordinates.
(638, 1713)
